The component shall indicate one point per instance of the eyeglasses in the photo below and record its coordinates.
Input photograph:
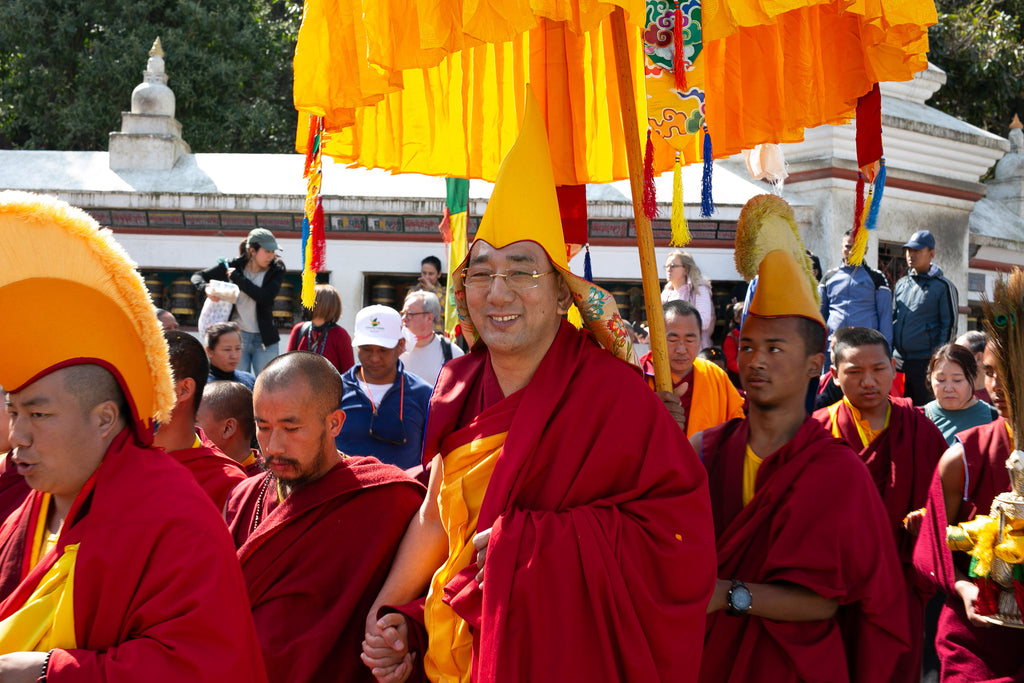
(387, 430)
(674, 265)
(406, 314)
(481, 278)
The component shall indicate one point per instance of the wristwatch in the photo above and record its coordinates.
(738, 599)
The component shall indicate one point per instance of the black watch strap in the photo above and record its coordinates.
(738, 600)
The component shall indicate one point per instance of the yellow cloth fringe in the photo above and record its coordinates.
(680, 228)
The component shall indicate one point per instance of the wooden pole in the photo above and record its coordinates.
(644, 235)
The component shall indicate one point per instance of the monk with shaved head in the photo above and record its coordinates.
(317, 532)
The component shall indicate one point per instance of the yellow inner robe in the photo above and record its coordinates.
(864, 430)
(47, 619)
(467, 471)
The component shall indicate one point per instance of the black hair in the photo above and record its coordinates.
(852, 337)
(813, 334)
(231, 399)
(432, 260)
(188, 360)
(955, 353)
(681, 309)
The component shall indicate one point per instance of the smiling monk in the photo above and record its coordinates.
(900, 447)
(566, 525)
(809, 586)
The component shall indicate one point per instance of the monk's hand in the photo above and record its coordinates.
(912, 522)
(720, 596)
(480, 542)
(386, 648)
(21, 667)
(968, 592)
(674, 406)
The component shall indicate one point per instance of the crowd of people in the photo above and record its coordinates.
(389, 506)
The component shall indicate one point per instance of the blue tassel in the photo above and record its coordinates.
(305, 237)
(707, 202)
(876, 198)
(588, 271)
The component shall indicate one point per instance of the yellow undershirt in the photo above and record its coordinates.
(466, 473)
(751, 464)
(47, 618)
(864, 430)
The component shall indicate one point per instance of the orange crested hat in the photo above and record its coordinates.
(524, 207)
(54, 257)
(768, 246)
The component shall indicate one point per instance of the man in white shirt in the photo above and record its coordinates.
(430, 351)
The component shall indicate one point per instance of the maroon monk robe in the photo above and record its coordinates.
(158, 594)
(13, 489)
(901, 461)
(967, 652)
(600, 564)
(216, 473)
(815, 521)
(317, 560)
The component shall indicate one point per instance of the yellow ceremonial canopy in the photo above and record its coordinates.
(438, 87)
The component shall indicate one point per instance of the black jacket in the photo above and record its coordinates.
(263, 295)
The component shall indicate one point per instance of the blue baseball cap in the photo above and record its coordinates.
(922, 239)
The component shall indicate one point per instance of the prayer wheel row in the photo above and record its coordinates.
(182, 300)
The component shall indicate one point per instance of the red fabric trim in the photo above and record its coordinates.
(869, 127)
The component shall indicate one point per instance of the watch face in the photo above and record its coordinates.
(740, 598)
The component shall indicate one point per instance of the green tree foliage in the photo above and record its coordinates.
(68, 67)
(980, 46)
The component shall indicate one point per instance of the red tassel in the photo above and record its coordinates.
(445, 226)
(858, 208)
(314, 124)
(679, 50)
(650, 196)
(316, 231)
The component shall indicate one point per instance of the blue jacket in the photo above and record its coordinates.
(924, 314)
(856, 296)
(397, 442)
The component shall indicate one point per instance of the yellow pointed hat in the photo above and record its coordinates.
(73, 296)
(524, 207)
(768, 245)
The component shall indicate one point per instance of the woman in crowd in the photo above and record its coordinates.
(224, 349)
(952, 371)
(322, 335)
(258, 272)
(686, 282)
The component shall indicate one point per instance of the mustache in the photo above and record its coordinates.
(269, 460)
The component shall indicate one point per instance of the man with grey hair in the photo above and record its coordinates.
(431, 350)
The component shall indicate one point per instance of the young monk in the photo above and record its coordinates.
(899, 445)
(809, 585)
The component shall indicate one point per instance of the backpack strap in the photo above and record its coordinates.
(446, 348)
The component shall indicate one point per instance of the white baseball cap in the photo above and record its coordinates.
(378, 326)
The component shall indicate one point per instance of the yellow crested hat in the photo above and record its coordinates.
(524, 207)
(768, 245)
(73, 296)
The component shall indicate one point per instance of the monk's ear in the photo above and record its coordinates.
(107, 418)
(334, 421)
(229, 428)
(564, 296)
(814, 363)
